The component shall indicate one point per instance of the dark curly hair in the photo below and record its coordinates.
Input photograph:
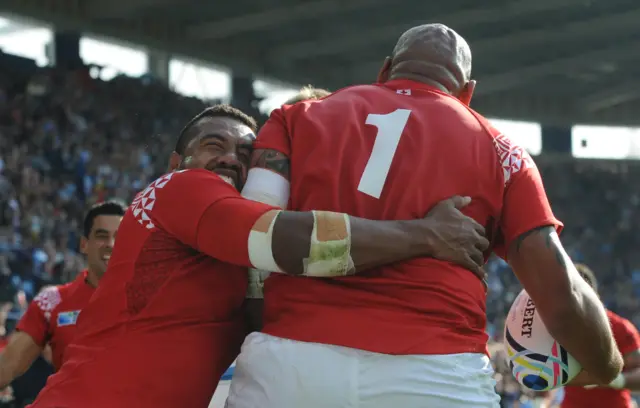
(226, 111)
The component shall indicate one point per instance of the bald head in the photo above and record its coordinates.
(435, 54)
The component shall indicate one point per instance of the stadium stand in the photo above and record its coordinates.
(68, 140)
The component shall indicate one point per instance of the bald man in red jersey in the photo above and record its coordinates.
(617, 394)
(411, 334)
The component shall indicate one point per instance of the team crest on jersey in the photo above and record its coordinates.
(68, 318)
(144, 202)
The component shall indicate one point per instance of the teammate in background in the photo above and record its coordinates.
(307, 93)
(411, 334)
(618, 393)
(166, 320)
(51, 317)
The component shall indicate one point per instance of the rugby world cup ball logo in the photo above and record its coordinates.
(537, 361)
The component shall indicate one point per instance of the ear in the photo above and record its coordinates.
(174, 161)
(83, 245)
(467, 92)
(385, 70)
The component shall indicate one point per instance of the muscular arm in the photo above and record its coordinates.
(570, 309)
(203, 211)
(17, 357)
(372, 243)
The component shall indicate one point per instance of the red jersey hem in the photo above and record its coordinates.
(363, 343)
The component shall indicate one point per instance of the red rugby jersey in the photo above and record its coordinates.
(392, 151)
(52, 315)
(628, 341)
(166, 320)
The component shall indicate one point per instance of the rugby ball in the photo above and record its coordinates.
(536, 360)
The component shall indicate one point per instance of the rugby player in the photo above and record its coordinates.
(616, 394)
(166, 320)
(51, 317)
(307, 93)
(409, 334)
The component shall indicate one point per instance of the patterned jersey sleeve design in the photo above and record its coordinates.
(144, 201)
(513, 158)
(48, 300)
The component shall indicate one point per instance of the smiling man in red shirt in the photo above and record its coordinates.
(167, 319)
(51, 317)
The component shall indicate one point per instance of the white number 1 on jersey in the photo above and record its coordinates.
(390, 127)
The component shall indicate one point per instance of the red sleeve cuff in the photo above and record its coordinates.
(223, 231)
(38, 336)
(558, 225)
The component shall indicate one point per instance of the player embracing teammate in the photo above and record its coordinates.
(177, 278)
(341, 329)
(410, 334)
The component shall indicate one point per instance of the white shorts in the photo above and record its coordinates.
(272, 372)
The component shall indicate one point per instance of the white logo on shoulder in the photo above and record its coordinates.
(47, 300)
(404, 92)
(513, 158)
(143, 204)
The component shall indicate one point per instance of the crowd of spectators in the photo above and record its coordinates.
(68, 140)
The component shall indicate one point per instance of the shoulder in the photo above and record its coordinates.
(158, 184)
(348, 94)
(625, 333)
(48, 299)
(620, 323)
(145, 200)
(512, 157)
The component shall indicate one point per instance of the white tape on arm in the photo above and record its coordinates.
(259, 243)
(270, 188)
(330, 251)
(267, 187)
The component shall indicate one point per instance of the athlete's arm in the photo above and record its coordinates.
(630, 378)
(570, 309)
(204, 212)
(628, 341)
(17, 357)
(324, 244)
(268, 182)
(29, 339)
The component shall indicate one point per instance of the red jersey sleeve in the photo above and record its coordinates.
(201, 210)
(625, 333)
(525, 203)
(35, 321)
(274, 135)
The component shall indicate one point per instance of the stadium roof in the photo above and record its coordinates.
(557, 61)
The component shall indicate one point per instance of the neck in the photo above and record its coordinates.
(422, 79)
(92, 278)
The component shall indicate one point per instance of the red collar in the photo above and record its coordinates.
(84, 277)
(410, 84)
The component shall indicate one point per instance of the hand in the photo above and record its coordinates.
(454, 237)
(585, 380)
(618, 383)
